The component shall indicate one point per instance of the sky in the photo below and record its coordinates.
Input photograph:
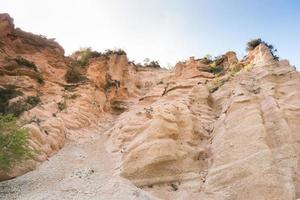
(164, 30)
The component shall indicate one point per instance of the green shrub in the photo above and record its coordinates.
(18, 107)
(14, 143)
(236, 68)
(216, 69)
(94, 54)
(215, 66)
(33, 100)
(26, 63)
(252, 44)
(5, 95)
(73, 75)
(23, 62)
(108, 52)
(152, 64)
(219, 60)
(84, 54)
(206, 60)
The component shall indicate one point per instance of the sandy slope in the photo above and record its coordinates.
(83, 169)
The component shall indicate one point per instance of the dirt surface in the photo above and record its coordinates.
(83, 169)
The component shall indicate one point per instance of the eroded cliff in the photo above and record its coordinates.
(222, 129)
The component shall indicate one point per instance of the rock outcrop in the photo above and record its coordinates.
(222, 130)
(255, 138)
(236, 142)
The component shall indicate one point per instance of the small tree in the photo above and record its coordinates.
(84, 54)
(207, 59)
(14, 143)
(252, 44)
(108, 52)
(74, 75)
(152, 64)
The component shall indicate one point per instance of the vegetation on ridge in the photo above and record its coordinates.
(109, 52)
(83, 56)
(214, 66)
(148, 63)
(23, 62)
(152, 64)
(252, 44)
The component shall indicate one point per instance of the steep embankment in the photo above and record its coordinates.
(226, 129)
(83, 169)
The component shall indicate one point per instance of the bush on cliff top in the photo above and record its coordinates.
(152, 64)
(252, 44)
(215, 69)
(149, 63)
(206, 60)
(109, 52)
(14, 143)
(214, 66)
(84, 54)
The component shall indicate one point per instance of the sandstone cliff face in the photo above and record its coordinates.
(185, 133)
(254, 146)
(238, 142)
(62, 108)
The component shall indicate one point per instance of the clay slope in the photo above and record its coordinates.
(223, 130)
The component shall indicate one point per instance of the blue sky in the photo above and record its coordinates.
(164, 30)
